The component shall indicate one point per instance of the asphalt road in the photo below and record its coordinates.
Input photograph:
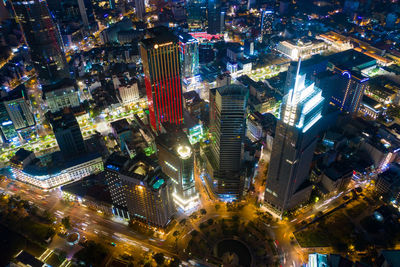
(89, 223)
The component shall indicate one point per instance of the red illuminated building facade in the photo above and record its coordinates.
(160, 56)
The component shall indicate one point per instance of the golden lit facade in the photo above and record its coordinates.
(148, 198)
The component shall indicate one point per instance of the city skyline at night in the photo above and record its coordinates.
(200, 133)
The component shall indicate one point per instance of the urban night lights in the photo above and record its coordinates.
(200, 133)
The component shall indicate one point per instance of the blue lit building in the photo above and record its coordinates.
(189, 61)
(189, 55)
(343, 88)
(16, 116)
(293, 146)
(352, 86)
(249, 47)
(6, 125)
(317, 260)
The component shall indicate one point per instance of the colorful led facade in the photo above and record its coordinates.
(189, 55)
(160, 56)
(189, 59)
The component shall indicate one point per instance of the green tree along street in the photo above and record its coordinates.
(393, 111)
(11, 243)
(93, 254)
(159, 258)
(66, 222)
(18, 215)
(20, 225)
(140, 228)
(174, 262)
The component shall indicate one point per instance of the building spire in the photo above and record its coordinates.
(297, 74)
(296, 83)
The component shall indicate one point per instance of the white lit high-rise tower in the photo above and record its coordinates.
(294, 144)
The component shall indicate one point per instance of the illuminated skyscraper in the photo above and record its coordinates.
(68, 133)
(215, 17)
(249, 47)
(66, 11)
(139, 189)
(189, 54)
(43, 38)
(140, 9)
(160, 56)
(176, 158)
(267, 19)
(196, 10)
(189, 58)
(8, 132)
(18, 108)
(348, 90)
(16, 115)
(87, 14)
(228, 106)
(293, 146)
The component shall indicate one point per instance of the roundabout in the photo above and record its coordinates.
(234, 241)
(233, 252)
(73, 238)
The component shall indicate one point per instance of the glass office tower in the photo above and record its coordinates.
(43, 38)
(293, 146)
